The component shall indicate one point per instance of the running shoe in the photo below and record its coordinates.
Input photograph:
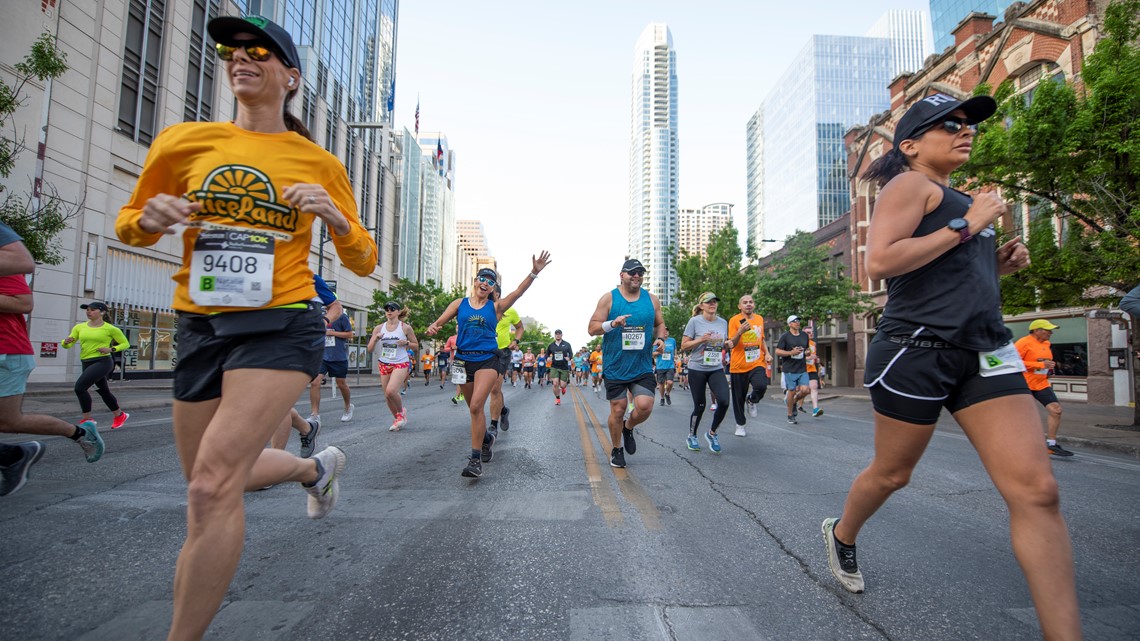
(792, 419)
(627, 440)
(817, 412)
(714, 442)
(120, 421)
(740, 431)
(662, 401)
(455, 400)
(474, 468)
(1057, 450)
(309, 441)
(504, 418)
(694, 444)
(801, 409)
(347, 416)
(403, 392)
(668, 399)
(841, 559)
(15, 475)
(712, 408)
(486, 453)
(751, 408)
(91, 442)
(557, 401)
(323, 493)
(402, 418)
(461, 397)
(617, 457)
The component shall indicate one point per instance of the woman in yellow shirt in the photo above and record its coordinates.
(97, 339)
(245, 194)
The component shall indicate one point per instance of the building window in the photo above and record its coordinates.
(201, 64)
(142, 57)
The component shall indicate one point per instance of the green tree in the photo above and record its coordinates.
(38, 225)
(677, 315)
(425, 302)
(718, 271)
(1077, 148)
(802, 281)
(537, 336)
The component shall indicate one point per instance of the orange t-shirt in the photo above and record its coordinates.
(428, 361)
(810, 356)
(596, 362)
(1032, 351)
(238, 177)
(751, 345)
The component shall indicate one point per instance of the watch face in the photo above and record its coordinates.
(958, 224)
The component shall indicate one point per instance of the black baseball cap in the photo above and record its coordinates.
(935, 107)
(632, 265)
(557, 331)
(95, 305)
(392, 306)
(223, 29)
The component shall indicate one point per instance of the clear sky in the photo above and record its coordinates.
(534, 98)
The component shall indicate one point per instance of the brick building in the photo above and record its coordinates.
(1039, 41)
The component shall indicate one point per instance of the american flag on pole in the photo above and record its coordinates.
(439, 155)
(417, 116)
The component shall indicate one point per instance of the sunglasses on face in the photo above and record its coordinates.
(391, 308)
(253, 48)
(489, 282)
(954, 126)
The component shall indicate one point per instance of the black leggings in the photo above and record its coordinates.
(719, 386)
(758, 379)
(95, 372)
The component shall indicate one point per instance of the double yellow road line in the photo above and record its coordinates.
(604, 495)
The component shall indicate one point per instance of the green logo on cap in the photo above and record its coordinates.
(257, 20)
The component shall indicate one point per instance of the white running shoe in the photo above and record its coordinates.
(323, 493)
(751, 410)
(347, 416)
(740, 431)
(402, 418)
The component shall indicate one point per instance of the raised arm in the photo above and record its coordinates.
(537, 265)
(447, 315)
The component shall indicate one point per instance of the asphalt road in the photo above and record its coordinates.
(552, 543)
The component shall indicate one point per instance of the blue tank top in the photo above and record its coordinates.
(620, 364)
(476, 340)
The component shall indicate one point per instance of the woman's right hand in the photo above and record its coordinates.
(987, 207)
(164, 211)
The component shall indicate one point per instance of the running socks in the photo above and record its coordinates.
(79, 433)
(320, 473)
(494, 424)
(476, 454)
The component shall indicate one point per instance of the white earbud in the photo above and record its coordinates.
(292, 82)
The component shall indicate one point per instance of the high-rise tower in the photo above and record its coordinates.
(653, 160)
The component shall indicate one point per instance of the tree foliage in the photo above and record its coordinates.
(38, 225)
(1076, 147)
(537, 336)
(425, 302)
(803, 281)
(718, 271)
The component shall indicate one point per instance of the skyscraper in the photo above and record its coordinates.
(910, 35)
(796, 137)
(946, 14)
(653, 160)
(695, 227)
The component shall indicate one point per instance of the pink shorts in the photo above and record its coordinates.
(388, 368)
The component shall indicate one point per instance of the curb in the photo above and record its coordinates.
(1108, 446)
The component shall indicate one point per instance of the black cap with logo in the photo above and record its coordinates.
(632, 265)
(933, 108)
(95, 305)
(223, 29)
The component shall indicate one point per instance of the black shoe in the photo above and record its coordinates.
(504, 419)
(455, 400)
(487, 453)
(474, 469)
(627, 441)
(668, 399)
(1057, 450)
(662, 401)
(792, 419)
(617, 458)
(15, 475)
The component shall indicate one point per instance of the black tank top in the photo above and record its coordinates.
(956, 296)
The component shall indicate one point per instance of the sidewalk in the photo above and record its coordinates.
(1083, 425)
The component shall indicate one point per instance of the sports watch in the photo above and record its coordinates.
(962, 226)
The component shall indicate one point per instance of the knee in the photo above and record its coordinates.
(893, 480)
(1038, 492)
(1054, 410)
(210, 494)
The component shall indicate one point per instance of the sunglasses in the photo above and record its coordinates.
(253, 48)
(954, 126)
(391, 307)
(489, 282)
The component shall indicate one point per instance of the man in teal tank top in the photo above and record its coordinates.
(630, 323)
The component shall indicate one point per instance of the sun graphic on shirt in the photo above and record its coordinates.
(240, 181)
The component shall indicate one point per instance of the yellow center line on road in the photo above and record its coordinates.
(604, 496)
(626, 482)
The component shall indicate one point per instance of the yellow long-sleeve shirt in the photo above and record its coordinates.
(90, 339)
(238, 177)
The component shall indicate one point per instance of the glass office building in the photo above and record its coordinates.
(911, 38)
(653, 160)
(800, 177)
(946, 14)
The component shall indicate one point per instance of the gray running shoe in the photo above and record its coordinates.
(841, 559)
(487, 453)
(323, 493)
(309, 441)
(91, 442)
(473, 470)
(505, 418)
(15, 475)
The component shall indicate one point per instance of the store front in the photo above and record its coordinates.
(1070, 345)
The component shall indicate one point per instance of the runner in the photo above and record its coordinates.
(941, 343)
(595, 360)
(665, 368)
(706, 334)
(256, 333)
(335, 365)
(683, 370)
(559, 355)
(428, 364)
(445, 358)
(476, 365)
(811, 362)
(516, 365)
(578, 366)
(540, 363)
(391, 341)
(626, 318)
(748, 361)
(792, 350)
(1037, 354)
(17, 361)
(528, 368)
(98, 339)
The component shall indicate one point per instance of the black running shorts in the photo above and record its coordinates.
(913, 384)
(1046, 396)
(644, 385)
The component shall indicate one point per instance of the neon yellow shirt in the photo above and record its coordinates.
(503, 328)
(91, 339)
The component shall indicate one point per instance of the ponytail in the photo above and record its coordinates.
(293, 123)
(886, 167)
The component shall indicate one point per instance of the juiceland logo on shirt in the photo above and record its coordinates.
(243, 194)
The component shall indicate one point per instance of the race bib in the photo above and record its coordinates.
(752, 354)
(632, 338)
(558, 356)
(667, 357)
(711, 358)
(388, 352)
(458, 373)
(232, 268)
(330, 341)
(799, 356)
(1003, 360)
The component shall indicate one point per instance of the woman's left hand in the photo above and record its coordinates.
(1012, 256)
(106, 350)
(315, 199)
(538, 264)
